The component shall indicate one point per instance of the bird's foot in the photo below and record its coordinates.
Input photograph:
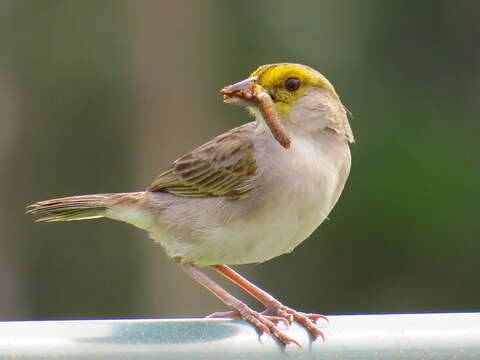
(263, 322)
(307, 320)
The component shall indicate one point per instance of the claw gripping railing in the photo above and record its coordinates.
(369, 337)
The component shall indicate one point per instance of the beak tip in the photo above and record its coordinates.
(241, 85)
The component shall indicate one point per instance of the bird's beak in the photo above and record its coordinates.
(231, 92)
(248, 93)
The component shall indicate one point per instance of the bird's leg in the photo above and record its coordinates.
(264, 323)
(273, 307)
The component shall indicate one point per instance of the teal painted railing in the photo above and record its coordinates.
(370, 337)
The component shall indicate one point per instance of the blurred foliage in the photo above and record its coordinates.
(107, 93)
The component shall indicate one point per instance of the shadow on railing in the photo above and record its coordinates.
(370, 337)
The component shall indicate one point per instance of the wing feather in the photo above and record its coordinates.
(224, 166)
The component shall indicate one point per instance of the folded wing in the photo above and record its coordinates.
(225, 166)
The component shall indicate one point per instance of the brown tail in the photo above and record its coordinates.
(80, 207)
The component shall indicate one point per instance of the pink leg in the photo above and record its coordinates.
(272, 305)
(263, 322)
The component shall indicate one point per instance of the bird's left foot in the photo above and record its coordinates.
(263, 323)
(279, 310)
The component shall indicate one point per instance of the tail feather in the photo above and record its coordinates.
(80, 207)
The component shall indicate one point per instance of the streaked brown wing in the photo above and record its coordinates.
(224, 166)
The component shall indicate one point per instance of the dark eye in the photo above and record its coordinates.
(292, 84)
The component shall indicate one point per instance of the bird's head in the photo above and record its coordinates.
(304, 99)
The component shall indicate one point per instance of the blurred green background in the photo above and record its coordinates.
(100, 96)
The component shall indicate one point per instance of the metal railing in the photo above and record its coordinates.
(370, 337)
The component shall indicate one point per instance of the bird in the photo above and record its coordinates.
(248, 195)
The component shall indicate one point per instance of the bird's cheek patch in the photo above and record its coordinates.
(283, 108)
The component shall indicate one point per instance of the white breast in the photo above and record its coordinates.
(302, 186)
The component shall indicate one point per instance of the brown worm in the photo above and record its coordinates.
(258, 94)
(267, 108)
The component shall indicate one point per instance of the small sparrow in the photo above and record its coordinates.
(247, 196)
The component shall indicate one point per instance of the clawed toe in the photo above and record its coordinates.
(279, 313)
(306, 320)
(266, 321)
(316, 317)
(277, 319)
(265, 324)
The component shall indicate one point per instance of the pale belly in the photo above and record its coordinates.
(272, 231)
(259, 235)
